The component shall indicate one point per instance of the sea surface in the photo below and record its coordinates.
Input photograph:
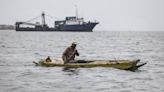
(19, 49)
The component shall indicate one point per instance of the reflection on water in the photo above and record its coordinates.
(70, 71)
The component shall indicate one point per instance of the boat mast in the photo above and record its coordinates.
(43, 19)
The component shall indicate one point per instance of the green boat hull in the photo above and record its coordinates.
(119, 64)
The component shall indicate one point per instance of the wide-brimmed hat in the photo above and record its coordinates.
(74, 43)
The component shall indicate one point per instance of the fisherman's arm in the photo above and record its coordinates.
(77, 53)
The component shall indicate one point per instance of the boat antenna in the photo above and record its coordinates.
(76, 11)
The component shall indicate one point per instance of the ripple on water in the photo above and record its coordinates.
(19, 49)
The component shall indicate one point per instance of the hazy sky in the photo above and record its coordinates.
(112, 14)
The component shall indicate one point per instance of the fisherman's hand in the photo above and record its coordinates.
(77, 54)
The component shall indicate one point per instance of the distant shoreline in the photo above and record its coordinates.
(6, 27)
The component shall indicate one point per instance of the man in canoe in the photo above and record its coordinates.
(70, 53)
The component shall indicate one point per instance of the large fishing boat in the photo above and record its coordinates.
(69, 24)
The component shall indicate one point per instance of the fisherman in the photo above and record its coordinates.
(70, 53)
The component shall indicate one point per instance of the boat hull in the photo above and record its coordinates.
(119, 64)
(88, 27)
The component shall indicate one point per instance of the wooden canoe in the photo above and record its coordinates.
(119, 64)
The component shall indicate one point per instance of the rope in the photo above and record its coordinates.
(33, 19)
(40, 16)
(52, 17)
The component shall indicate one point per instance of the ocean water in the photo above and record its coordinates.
(19, 49)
